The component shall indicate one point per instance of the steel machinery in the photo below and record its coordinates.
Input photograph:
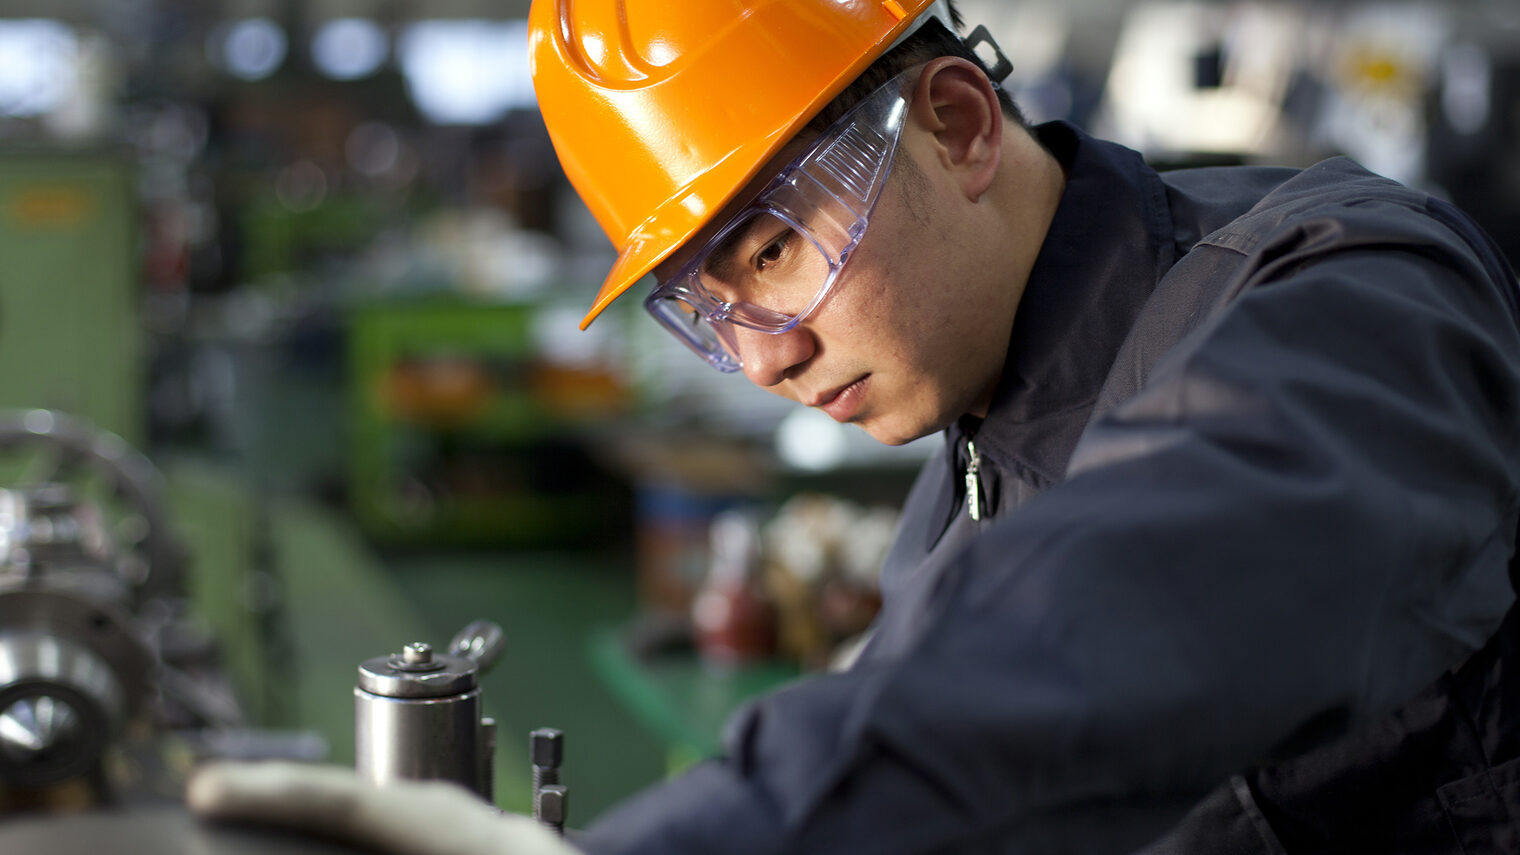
(418, 715)
(96, 644)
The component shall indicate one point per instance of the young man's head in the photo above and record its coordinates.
(835, 199)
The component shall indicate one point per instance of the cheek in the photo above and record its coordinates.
(908, 305)
(915, 275)
(893, 311)
(887, 312)
(879, 316)
(942, 345)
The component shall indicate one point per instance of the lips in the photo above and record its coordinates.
(842, 403)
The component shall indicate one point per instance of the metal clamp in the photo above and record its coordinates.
(417, 713)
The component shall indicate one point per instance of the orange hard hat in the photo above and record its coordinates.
(662, 110)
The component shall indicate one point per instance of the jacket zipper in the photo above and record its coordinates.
(973, 481)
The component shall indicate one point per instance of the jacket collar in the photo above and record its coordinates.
(1108, 245)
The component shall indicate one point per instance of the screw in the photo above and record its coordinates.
(417, 653)
(546, 748)
(551, 804)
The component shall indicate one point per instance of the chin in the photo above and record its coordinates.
(896, 434)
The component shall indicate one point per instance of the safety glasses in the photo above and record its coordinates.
(775, 262)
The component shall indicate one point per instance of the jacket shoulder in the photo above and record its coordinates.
(1333, 203)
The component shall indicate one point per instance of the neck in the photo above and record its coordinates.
(1025, 195)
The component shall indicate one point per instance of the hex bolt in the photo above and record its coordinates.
(417, 653)
(546, 748)
(550, 806)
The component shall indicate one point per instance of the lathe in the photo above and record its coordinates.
(110, 690)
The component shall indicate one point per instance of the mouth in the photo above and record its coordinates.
(842, 403)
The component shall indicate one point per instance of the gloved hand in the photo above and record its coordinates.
(405, 818)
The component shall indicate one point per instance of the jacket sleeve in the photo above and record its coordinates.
(1304, 517)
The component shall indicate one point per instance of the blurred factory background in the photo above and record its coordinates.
(290, 373)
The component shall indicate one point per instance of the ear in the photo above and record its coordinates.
(956, 103)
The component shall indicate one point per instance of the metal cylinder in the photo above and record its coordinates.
(59, 703)
(73, 673)
(417, 715)
(419, 739)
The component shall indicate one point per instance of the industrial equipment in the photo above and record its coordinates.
(98, 652)
(417, 716)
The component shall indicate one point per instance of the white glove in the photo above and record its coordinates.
(405, 818)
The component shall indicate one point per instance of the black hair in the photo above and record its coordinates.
(930, 41)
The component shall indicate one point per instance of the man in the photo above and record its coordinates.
(1217, 553)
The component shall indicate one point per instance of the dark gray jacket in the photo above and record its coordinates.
(1249, 484)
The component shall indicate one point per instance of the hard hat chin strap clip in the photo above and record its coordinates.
(979, 38)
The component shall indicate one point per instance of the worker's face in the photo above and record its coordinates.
(894, 348)
(914, 332)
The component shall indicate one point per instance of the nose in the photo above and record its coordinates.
(770, 358)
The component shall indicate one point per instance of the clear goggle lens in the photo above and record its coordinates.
(767, 274)
(680, 316)
(775, 262)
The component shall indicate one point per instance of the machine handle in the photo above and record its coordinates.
(481, 641)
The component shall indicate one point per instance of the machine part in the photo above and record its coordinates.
(76, 664)
(95, 635)
(487, 770)
(550, 807)
(43, 527)
(243, 744)
(72, 674)
(29, 615)
(546, 749)
(418, 724)
(419, 653)
(482, 641)
(417, 714)
(57, 711)
(41, 448)
(156, 828)
(49, 540)
(201, 699)
(49, 734)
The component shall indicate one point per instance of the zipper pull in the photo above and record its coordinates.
(974, 482)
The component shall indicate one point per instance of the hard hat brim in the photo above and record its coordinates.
(654, 240)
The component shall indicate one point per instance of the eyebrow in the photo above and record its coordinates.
(721, 254)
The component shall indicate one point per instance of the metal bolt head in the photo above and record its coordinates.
(546, 747)
(417, 653)
(553, 805)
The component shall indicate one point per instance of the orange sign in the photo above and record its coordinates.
(50, 207)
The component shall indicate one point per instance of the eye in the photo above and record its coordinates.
(775, 251)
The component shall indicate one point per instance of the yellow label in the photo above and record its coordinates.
(50, 207)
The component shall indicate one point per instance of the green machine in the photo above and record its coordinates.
(459, 433)
(70, 334)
